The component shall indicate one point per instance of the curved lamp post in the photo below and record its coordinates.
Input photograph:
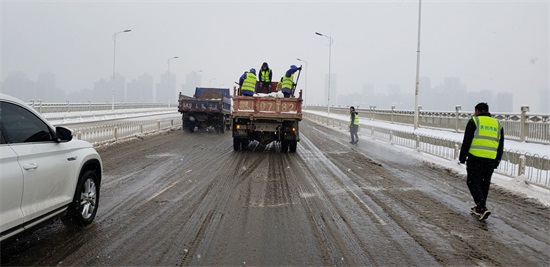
(114, 60)
(416, 107)
(330, 41)
(169, 78)
(305, 88)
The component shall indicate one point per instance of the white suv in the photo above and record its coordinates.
(43, 172)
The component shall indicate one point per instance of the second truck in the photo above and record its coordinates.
(209, 108)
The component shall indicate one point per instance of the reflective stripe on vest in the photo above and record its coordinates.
(265, 75)
(486, 137)
(288, 81)
(356, 121)
(249, 83)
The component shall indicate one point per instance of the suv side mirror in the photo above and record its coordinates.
(63, 134)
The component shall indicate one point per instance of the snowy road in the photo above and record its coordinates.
(188, 199)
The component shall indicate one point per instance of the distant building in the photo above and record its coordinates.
(166, 89)
(140, 90)
(18, 85)
(45, 88)
(102, 91)
(503, 103)
(192, 80)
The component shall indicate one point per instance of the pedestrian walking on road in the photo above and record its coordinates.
(482, 149)
(353, 125)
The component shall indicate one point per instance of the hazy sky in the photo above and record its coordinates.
(501, 46)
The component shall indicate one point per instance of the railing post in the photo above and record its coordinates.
(372, 131)
(523, 135)
(417, 142)
(391, 135)
(67, 106)
(419, 109)
(456, 153)
(158, 125)
(116, 133)
(32, 103)
(457, 114)
(521, 167)
(39, 105)
(392, 110)
(141, 127)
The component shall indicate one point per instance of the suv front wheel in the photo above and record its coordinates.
(83, 209)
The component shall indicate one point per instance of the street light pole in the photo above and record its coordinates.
(416, 111)
(169, 78)
(305, 88)
(329, 57)
(114, 60)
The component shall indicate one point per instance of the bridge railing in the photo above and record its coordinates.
(116, 132)
(89, 106)
(523, 127)
(534, 168)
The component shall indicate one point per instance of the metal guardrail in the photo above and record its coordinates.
(105, 114)
(534, 168)
(109, 133)
(72, 107)
(112, 133)
(521, 127)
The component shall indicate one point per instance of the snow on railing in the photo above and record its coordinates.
(534, 168)
(112, 133)
(517, 126)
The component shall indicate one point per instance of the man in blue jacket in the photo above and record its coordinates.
(247, 82)
(288, 81)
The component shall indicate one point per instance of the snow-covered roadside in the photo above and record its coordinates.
(522, 147)
(513, 184)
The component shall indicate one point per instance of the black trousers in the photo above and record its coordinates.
(266, 86)
(353, 132)
(479, 180)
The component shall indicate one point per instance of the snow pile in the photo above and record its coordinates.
(278, 94)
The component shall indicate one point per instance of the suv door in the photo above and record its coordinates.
(48, 168)
(11, 189)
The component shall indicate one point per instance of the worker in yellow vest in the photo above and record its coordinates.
(247, 82)
(353, 125)
(288, 81)
(482, 150)
(265, 78)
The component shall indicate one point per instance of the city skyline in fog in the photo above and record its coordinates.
(496, 46)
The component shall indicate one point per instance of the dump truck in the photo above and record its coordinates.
(266, 119)
(209, 108)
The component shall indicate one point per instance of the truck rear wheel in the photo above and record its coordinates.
(284, 146)
(244, 144)
(236, 144)
(292, 146)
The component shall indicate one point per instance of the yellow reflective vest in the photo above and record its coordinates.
(265, 75)
(486, 137)
(355, 121)
(288, 82)
(249, 83)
